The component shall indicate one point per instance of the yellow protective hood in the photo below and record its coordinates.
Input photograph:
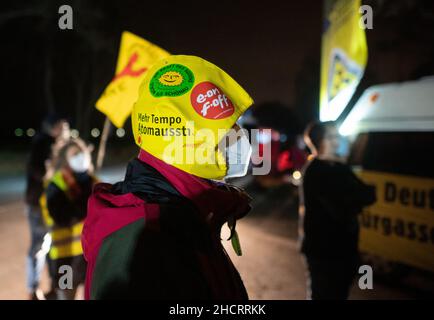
(185, 107)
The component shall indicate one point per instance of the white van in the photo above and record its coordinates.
(392, 129)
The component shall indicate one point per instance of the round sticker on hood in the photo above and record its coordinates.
(210, 102)
(171, 81)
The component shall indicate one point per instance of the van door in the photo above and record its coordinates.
(399, 227)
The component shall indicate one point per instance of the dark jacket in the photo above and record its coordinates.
(40, 152)
(332, 197)
(67, 208)
(144, 238)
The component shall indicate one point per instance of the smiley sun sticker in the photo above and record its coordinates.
(171, 78)
(171, 81)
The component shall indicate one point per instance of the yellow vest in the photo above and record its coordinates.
(65, 241)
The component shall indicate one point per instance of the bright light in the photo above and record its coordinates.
(263, 136)
(296, 175)
(347, 129)
(352, 122)
(19, 132)
(335, 107)
(46, 244)
(225, 232)
(30, 132)
(120, 132)
(95, 132)
(74, 133)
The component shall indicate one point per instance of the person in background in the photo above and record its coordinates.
(331, 197)
(54, 128)
(64, 207)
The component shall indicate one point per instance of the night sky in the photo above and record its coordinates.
(272, 48)
(263, 45)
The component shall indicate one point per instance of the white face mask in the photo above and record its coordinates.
(238, 157)
(79, 162)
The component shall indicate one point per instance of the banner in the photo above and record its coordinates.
(344, 55)
(136, 56)
(399, 227)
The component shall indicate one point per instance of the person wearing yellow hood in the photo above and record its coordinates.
(156, 234)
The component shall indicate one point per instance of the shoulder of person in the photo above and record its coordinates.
(54, 194)
(318, 165)
(327, 167)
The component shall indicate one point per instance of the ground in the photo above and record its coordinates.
(270, 266)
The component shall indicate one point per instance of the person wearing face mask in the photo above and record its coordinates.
(156, 234)
(331, 197)
(69, 184)
(54, 129)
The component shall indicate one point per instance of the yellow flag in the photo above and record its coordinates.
(136, 56)
(344, 55)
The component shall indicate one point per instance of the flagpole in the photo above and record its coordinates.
(102, 144)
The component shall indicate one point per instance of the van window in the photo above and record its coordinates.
(409, 153)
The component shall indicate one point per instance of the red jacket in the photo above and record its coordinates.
(156, 235)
